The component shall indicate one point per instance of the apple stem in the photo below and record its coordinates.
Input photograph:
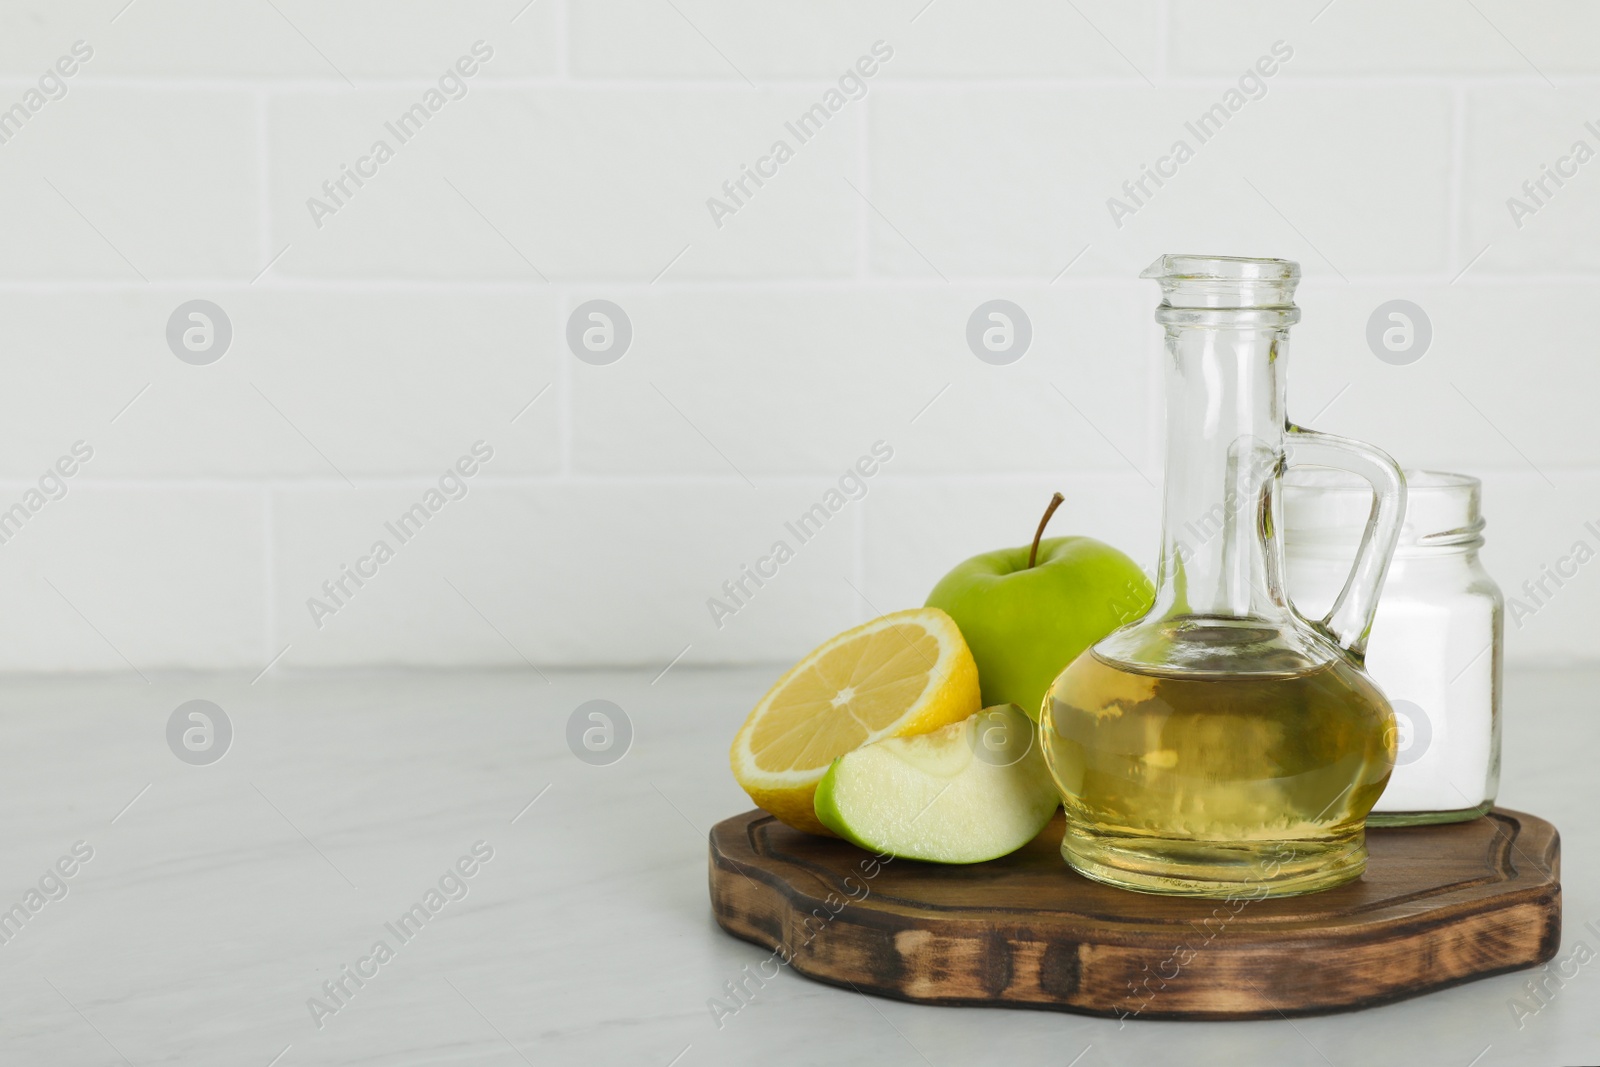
(1033, 553)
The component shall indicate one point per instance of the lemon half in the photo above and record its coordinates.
(908, 672)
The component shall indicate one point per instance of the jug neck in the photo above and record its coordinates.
(1225, 347)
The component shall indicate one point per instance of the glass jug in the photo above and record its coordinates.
(1223, 745)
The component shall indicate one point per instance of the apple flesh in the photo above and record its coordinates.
(1025, 624)
(971, 791)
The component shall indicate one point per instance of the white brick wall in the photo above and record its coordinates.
(768, 352)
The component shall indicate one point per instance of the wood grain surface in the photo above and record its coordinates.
(1437, 905)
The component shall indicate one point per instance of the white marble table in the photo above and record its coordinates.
(220, 900)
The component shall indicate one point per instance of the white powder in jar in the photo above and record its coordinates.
(1435, 643)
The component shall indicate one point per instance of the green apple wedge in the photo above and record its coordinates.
(972, 791)
(1027, 612)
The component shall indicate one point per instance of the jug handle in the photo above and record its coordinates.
(1349, 621)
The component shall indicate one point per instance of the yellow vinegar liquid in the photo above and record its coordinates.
(1217, 784)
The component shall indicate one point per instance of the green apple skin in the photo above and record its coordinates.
(930, 797)
(1025, 624)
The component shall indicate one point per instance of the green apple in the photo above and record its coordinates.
(972, 791)
(1028, 612)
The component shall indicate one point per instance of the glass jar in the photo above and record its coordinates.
(1435, 646)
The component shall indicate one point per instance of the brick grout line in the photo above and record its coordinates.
(264, 176)
(564, 377)
(269, 614)
(563, 30)
(1163, 41)
(733, 86)
(777, 286)
(647, 664)
(864, 181)
(859, 546)
(1457, 209)
(793, 479)
(1155, 400)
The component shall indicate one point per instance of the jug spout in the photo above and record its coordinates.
(1158, 269)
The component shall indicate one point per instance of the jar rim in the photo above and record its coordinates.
(1327, 506)
(1333, 480)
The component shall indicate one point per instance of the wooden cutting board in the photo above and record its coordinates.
(1438, 905)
